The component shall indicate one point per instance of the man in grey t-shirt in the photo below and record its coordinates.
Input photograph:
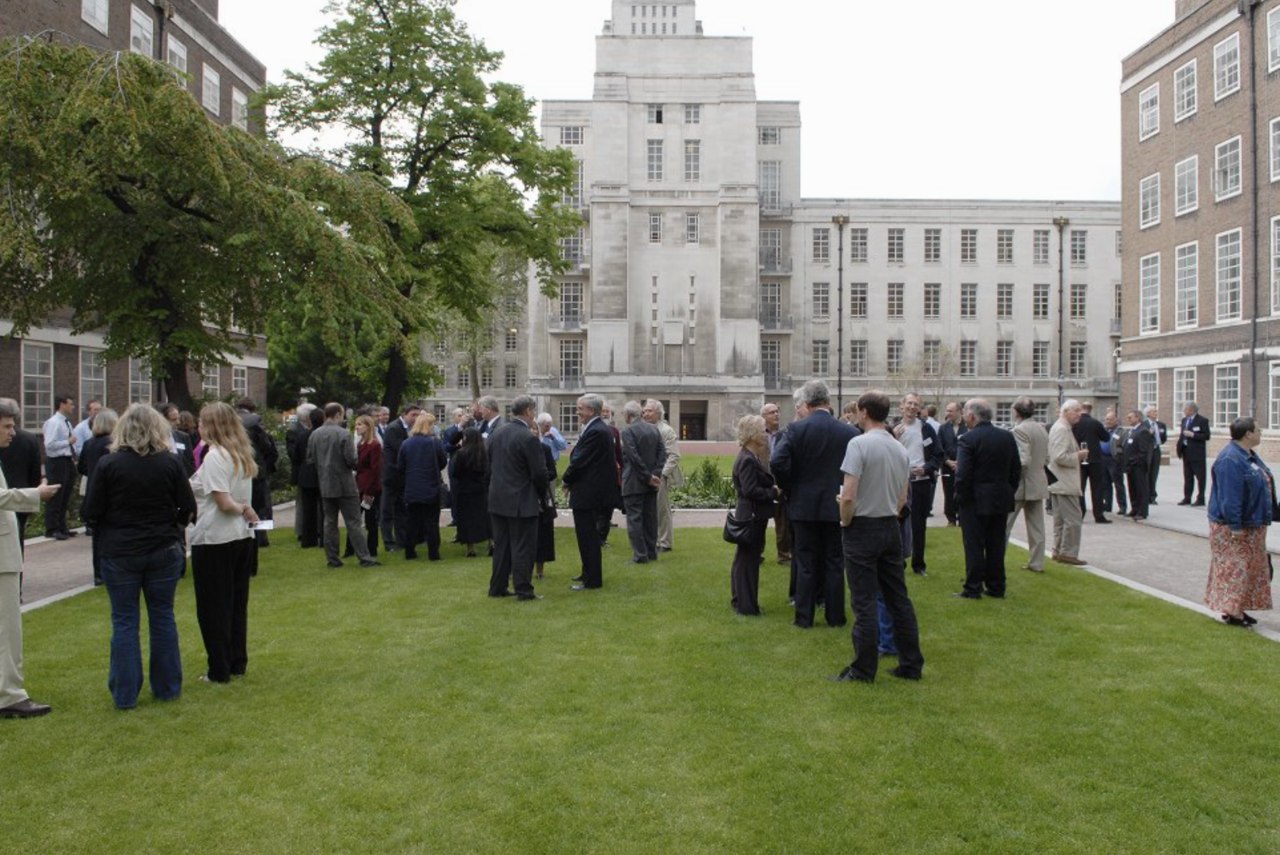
(876, 484)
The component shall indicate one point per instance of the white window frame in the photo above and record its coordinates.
(858, 300)
(1184, 392)
(932, 299)
(1040, 359)
(1222, 83)
(1224, 416)
(968, 246)
(1224, 285)
(1040, 243)
(693, 114)
(210, 77)
(140, 21)
(968, 300)
(1273, 392)
(692, 160)
(1041, 296)
(1149, 294)
(1149, 201)
(770, 135)
(1004, 300)
(821, 357)
(1004, 246)
(692, 229)
(655, 228)
(858, 357)
(770, 172)
(896, 246)
(140, 384)
(97, 14)
(1149, 112)
(1186, 277)
(571, 135)
(1186, 185)
(240, 110)
(822, 245)
(821, 301)
(176, 49)
(858, 242)
(1078, 308)
(1219, 170)
(654, 160)
(211, 380)
(1078, 359)
(655, 114)
(1274, 138)
(92, 387)
(1185, 107)
(1004, 358)
(1148, 390)
(968, 358)
(37, 402)
(1275, 267)
(896, 300)
(1273, 47)
(240, 381)
(1079, 241)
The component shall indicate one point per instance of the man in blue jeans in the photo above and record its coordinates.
(876, 486)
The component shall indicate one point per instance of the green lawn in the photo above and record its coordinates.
(400, 710)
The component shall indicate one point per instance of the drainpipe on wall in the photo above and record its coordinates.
(1247, 8)
(1061, 223)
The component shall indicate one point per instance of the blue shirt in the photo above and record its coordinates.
(554, 441)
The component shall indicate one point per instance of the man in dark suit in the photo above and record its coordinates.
(517, 483)
(592, 482)
(988, 473)
(20, 462)
(182, 445)
(1159, 436)
(394, 514)
(1138, 450)
(1090, 433)
(490, 416)
(604, 522)
(806, 462)
(644, 455)
(1191, 449)
(953, 427)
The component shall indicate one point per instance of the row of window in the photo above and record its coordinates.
(1226, 80)
(1226, 393)
(895, 244)
(895, 299)
(647, 29)
(1227, 179)
(1229, 281)
(934, 358)
(510, 378)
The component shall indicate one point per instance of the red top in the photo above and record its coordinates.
(369, 468)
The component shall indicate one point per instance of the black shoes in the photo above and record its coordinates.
(1103, 521)
(370, 562)
(635, 560)
(334, 563)
(25, 709)
(502, 594)
(1184, 502)
(903, 674)
(965, 595)
(576, 579)
(1198, 503)
(848, 676)
(526, 598)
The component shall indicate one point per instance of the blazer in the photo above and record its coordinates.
(94, 450)
(21, 460)
(295, 446)
(1091, 432)
(421, 460)
(333, 452)
(186, 451)
(517, 471)
(369, 468)
(644, 455)
(948, 436)
(1064, 460)
(22, 500)
(1139, 448)
(1119, 439)
(1033, 455)
(806, 463)
(671, 470)
(392, 439)
(1193, 449)
(988, 470)
(592, 476)
(754, 484)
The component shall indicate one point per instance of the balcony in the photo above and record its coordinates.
(775, 322)
(566, 323)
(771, 261)
(568, 383)
(775, 210)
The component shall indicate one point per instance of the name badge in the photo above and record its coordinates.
(1195, 430)
(1130, 441)
(928, 442)
(180, 446)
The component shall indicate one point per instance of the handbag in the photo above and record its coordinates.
(737, 531)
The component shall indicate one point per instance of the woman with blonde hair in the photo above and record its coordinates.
(420, 461)
(756, 494)
(224, 553)
(368, 480)
(139, 503)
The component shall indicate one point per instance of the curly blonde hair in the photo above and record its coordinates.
(142, 429)
(425, 425)
(220, 427)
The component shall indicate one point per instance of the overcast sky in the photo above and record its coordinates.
(993, 99)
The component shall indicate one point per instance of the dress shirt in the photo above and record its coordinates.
(553, 440)
(57, 436)
(83, 432)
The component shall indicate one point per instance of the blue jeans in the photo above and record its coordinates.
(156, 577)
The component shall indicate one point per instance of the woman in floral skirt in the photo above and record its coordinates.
(1240, 509)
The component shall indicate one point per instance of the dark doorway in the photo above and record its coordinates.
(693, 426)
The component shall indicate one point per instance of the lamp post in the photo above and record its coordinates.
(839, 220)
(1061, 223)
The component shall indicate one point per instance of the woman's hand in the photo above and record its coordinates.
(249, 514)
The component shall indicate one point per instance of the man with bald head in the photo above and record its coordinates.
(1064, 462)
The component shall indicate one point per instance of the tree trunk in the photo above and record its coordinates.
(475, 375)
(176, 387)
(397, 381)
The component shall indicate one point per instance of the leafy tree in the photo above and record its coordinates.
(404, 81)
(176, 236)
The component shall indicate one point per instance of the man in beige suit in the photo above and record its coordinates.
(1064, 462)
(672, 476)
(14, 702)
(1033, 451)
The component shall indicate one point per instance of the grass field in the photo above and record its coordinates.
(398, 709)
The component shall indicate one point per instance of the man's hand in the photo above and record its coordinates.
(917, 471)
(48, 491)
(897, 431)
(951, 464)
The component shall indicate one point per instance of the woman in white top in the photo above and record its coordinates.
(224, 553)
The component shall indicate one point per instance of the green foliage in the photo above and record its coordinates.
(705, 487)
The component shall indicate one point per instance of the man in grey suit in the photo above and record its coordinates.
(1033, 489)
(644, 454)
(332, 451)
(517, 483)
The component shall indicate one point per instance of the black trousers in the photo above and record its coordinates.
(921, 504)
(1193, 475)
(58, 470)
(1139, 484)
(586, 525)
(220, 575)
(423, 525)
(1116, 472)
(817, 552)
(1094, 477)
(1153, 475)
(515, 543)
(310, 519)
(949, 498)
(873, 562)
(604, 522)
(984, 546)
(260, 499)
(744, 577)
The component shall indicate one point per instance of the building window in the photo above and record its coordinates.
(771, 359)
(693, 114)
(932, 356)
(510, 344)
(655, 228)
(771, 185)
(771, 248)
(932, 245)
(821, 246)
(464, 377)
(969, 300)
(1149, 201)
(570, 301)
(93, 377)
(1119, 243)
(1273, 50)
(896, 248)
(1275, 149)
(1004, 358)
(211, 381)
(1149, 294)
(968, 359)
(1148, 390)
(1042, 412)
(821, 357)
(1004, 246)
(693, 160)
(1186, 185)
(858, 300)
(240, 381)
(571, 359)
(141, 32)
(770, 303)
(969, 246)
(1004, 301)
(1229, 276)
(211, 93)
(1226, 395)
(1226, 67)
(1079, 247)
(1184, 387)
(139, 382)
(655, 114)
(771, 136)
(858, 245)
(509, 378)
(1040, 247)
(932, 300)
(896, 300)
(1117, 305)
(1040, 359)
(654, 160)
(1076, 357)
(858, 357)
(1149, 112)
(1275, 268)
(1187, 284)
(692, 228)
(1226, 169)
(176, 55)
(893, 356)
(571, 247)
(1184, 92)
(486, 377)
(37, 384)
(569, 417)
(94, 13)
(1040, 302)
(1079, 294)
(571, 135)
(821, 301)
(239, 109)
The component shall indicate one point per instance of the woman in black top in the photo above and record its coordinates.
(757, 493)
(469, 490)
(547, 518)
(98, 446)
(139, 503)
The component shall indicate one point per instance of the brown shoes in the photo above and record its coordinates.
(25, 709)
(1069, 559)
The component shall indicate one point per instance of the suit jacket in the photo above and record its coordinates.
(333, 452)
(1033, 455)
(1139, 448)
(517, 471)
(186, 451)
(487, 430)
(421, 460)
(1091, 432)
(592, 475)
(1064, 460)
(754, 483)
(671, 470)
(295, 446)
(1193, 449)
(25, 500)
(392, 439)
(1119, 439)
(988, 470)
(806, 463)
(643, 456)
(21, 460)
(948, 436)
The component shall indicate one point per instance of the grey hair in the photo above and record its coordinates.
(1024, 407)
(105, 421)
(490, 403)
(1069, 404)
(657, 405)
(593, 402)
(815, 393)
(797, 398)
(980, 408)
(522, 404)
(1195, 408)
(304, 413)
(544, 418)
(1147, 412)
(144, 430)
(9, 409)
(632, 410)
